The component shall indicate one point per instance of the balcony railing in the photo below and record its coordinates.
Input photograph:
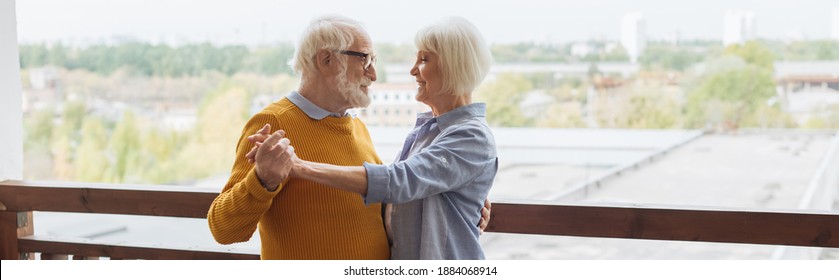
(678, 223)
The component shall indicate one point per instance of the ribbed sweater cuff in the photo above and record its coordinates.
(255, 188)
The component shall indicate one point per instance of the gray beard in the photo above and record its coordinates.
(351, 92)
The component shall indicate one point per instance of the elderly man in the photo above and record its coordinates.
(301, 219)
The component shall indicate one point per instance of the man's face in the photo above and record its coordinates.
(353, 81)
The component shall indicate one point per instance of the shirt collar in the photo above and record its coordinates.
(454, 116)
(311, 110)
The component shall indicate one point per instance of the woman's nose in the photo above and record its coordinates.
(414, 70)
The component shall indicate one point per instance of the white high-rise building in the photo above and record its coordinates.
(835, 34)
(739, 27)
(633, 35)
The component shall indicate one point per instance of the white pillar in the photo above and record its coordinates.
(11, 98)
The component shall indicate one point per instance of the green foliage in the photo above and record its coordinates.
(33, 55)
(726, 97)
(569, 90)
(828, 119)
(769, 115)
(161, 60)
(74, 114)
(651, 110)
(124, 146)
(210, 148)
(528, 52)
(503, 97)
(641, 108)
(805, 50)
(731, 91)
(61, 150)
(753, 52)
(389, 53)
(269, 60)
(258, 84)
(659, 56)
(83, 145)
(91, 163)
(562, 115)
(617, 54)
(39, 128)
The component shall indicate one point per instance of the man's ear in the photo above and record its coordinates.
(325, 59)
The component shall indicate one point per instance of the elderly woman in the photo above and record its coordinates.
(437, 185)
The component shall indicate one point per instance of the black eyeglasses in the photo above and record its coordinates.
(369, 59)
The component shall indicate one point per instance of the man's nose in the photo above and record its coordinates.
(371, 73)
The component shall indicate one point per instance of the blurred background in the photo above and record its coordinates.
(731, 104)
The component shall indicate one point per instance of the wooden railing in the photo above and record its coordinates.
(19, 198)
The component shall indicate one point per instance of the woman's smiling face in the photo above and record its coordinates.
(427, 73)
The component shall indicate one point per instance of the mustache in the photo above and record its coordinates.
(344, 81)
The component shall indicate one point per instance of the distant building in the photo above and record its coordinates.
(44, 89)
(633, 35)
(739, 27)
(806, 88)
(392, 105)
(535, 103)
(807, 76)
(43, 77)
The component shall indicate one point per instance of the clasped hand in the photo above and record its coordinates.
(274, 156)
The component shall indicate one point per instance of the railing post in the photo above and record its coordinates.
(12, 226)
(8, 236)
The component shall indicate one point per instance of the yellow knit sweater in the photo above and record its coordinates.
(302, 219)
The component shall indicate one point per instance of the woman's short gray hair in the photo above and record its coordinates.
(463, 55)
(330, 32)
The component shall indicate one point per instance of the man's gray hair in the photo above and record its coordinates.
(463, 55)
(329, 32)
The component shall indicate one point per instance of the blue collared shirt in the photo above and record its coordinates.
(438, 185)
(311, 110)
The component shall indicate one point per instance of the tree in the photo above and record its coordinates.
(826, 119)
(269, 61)
(753, 52)
(661, 56)
(770, 115)
(73, 116)
(562, 115)
(210, 148)
(91, 163)
(124, 148)
(725, 98)
(503, 97)
(732, 88)
(640, 108)
(61, 151)
(38, 127)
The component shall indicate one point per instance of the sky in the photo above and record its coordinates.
(263, 22)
